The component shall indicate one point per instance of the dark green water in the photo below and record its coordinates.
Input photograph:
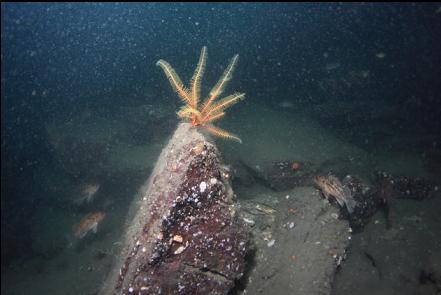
(83, 103)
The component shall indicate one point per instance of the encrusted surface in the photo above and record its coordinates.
(186, 237)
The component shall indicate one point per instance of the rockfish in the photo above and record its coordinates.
(87, 224)
(331, 186)
(87, 193)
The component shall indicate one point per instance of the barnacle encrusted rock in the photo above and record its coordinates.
(186, 237)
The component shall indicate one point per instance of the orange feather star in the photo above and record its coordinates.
(210, 110)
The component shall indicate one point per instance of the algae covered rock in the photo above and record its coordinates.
(186, 236)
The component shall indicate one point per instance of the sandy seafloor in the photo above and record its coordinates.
(269, 133)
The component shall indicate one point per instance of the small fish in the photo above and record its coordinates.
(331, 186)
(364, 74)
(332, 66)
(87, 193)
(87, 224)
(380, 55)
(265, 209)
(286, 104)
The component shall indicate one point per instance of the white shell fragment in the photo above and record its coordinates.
(178, 238)
(202, 186)
(249, 221)
(271, 243)
(179, 250)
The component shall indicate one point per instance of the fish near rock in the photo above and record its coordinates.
(88, 223)
(331, 186)
(365, 200)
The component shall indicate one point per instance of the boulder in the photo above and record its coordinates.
(185, 236)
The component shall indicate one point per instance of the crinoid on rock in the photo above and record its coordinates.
(211, 109)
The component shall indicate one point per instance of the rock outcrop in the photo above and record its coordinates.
(186, 236)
